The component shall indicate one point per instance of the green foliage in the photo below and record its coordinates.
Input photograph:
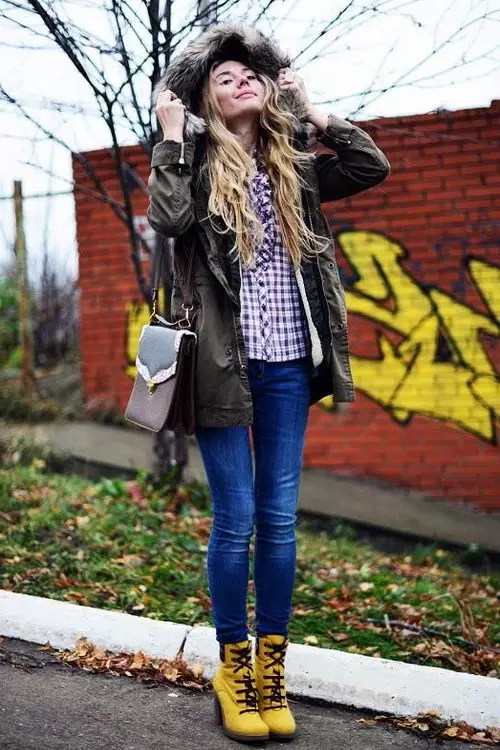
(22, 451)
(112, 488)
(9, 326)
(14, 360)
(15, 405)
(128, 546)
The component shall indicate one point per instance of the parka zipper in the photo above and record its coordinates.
(181, 157)
(308, 209)
(236, 341)
(241, 363)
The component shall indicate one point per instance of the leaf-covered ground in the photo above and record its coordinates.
(123, 546)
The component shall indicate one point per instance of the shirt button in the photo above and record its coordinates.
(264, 307)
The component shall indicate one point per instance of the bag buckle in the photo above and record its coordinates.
(185, 322)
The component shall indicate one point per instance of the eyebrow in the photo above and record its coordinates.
(229, 73)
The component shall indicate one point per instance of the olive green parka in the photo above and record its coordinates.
(178, 208)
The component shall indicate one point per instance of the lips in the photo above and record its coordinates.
(246, 95)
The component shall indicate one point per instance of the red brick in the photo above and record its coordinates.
(442, 149)
(427, 185)
(492, 179)
(460, 159)
(479, 191)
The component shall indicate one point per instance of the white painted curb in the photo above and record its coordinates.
(335, 676)
(36, 619)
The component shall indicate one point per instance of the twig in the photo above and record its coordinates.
(432, 632)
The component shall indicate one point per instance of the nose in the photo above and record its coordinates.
(243, 79)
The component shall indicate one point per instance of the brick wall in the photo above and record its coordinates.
(420, 260)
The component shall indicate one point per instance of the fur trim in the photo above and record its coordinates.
(316, 350)
(187, 71)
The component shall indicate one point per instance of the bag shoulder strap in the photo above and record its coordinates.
(187, 289)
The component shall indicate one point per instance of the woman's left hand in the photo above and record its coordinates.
(288, 80)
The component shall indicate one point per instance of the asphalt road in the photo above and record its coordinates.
(45, 705)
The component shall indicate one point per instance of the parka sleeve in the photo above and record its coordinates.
(169, 185)
(358, 164)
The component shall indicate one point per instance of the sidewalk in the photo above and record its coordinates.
(322, 492)
(49, 706)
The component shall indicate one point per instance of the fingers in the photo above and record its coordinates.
(164, 97)
(287, 78)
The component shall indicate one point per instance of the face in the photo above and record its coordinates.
(239, 93)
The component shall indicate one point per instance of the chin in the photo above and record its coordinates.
(247, 107)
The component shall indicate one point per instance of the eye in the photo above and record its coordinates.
(252, 76)
(225, 81)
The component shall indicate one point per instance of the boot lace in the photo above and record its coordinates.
(277, 695)
(243, 661)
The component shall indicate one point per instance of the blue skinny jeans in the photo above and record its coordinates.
(260, 496)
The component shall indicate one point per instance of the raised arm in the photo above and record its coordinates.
(169, 184)
(358, 164)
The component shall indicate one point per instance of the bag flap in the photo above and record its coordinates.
(157, 356)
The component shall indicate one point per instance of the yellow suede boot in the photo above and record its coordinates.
(270, 675)
(236, 700)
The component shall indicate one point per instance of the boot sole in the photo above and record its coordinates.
(282, 737)
(246, 738)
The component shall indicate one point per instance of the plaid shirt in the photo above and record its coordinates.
(273, 322)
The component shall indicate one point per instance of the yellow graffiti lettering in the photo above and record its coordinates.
(381, 376)
(487, 389)
(137, 316)
(460, 385)
(463, 327)
(376, 260)
(487, 280)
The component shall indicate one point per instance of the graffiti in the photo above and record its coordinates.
(432, 360)
(439, 365)
(137, 316)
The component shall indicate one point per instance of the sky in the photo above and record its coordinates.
(409, 57)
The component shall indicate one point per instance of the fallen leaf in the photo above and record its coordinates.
(302, 611)
(311, 640)
(197, 669)
(139, 661)
(422, 727)
(170, 672)
(134, 560)
(366, 586)
(340, 637)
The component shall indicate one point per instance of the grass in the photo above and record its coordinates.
(125, 546)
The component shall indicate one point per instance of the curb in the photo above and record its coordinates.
(329, 675)
(37, 619)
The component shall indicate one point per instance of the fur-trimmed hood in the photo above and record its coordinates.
(188, 70)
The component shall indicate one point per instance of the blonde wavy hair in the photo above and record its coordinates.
(231, 168)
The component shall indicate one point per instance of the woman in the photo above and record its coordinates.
(233, 181)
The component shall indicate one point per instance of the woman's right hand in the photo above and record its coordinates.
(171, 114)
